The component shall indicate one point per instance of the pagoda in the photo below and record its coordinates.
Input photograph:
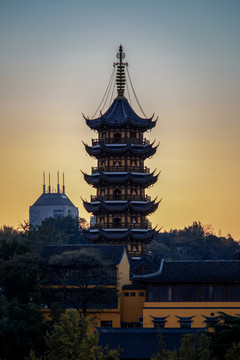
(120, 205)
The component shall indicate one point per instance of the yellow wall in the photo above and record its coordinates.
(186, 309)
(98, 316)
(132, 306)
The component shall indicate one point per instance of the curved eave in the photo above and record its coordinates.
(142, 151)
(117, 235)
(99, 178)
(120, 113)
(143, 207)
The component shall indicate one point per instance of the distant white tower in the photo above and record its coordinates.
(51, 204)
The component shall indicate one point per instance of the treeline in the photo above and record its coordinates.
(194, 242)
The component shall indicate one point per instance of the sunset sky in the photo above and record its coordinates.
(184, 61)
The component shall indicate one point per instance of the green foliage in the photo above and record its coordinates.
(165, 355)
(11, 243)
(233, 352)
(84, 279)
(187, 349)
(72, 338)
(66, 230)
(18, 277)
(225, 334)
(193, 347)
(195, 242)
(21, 329)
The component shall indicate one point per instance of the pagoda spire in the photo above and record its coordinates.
(120, 77)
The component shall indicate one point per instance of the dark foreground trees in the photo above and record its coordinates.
(80, 279)
(72, 338)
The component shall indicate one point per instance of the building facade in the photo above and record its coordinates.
(51, 204)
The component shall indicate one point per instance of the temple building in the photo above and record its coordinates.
(120, 205)
(51, 204)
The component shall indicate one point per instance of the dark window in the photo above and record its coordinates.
(106, 324)
(126, 294)
(132, 293)
(234, 293)
(116, 222)
(159, 293)
(132, 134)
(141, 294)
(213, 293)
(117, 137)
(186, 293)
(58, 213)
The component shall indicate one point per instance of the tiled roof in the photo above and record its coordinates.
(144, 179)
(146, 261)
(113, 253)
(121, 113)
(145, 207)
(143, 151)
(142, 343)
(51, 199)
(195, 271)
(119, 234)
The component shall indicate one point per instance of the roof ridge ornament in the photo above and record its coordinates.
(120, 76)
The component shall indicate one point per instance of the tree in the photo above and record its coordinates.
(72, 338)
(82, 279)
(66, 230)
(19, 277)
(225, 334)
(194, 242)
(233, 352)
(21, 328)
(11, 243)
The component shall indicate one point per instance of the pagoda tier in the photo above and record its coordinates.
(131, 150)
(102, 207)
(129, 236)
(128, 178)
(121, 114)
(120, 205)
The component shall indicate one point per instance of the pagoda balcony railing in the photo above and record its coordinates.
(135, 253)
(122, 140)
(120, 168)
(121, 225)
(120, 197)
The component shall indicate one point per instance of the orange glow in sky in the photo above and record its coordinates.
(56, 60)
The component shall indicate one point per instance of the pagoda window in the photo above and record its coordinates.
(117, 193)
(117, 163)
(101, 219)
(134, 220)
(133, 134)
(133, 163)
(117, 137)
(116, 222)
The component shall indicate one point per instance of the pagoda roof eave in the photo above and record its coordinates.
(144, 207)
(118, 234)
(144, 151)
(117, 177)
(120, 113)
